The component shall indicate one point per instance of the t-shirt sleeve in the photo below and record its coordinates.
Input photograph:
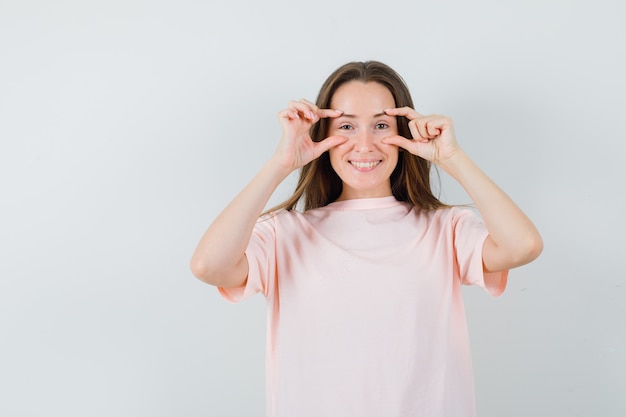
(261, 256)
(469, 236)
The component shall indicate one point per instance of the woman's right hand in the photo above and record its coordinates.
(296, 148)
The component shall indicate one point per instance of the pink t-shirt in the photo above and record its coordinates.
(365, 314)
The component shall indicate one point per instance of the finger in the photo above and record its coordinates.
(435, 124)
(407, 112)
(303, 109)
(290, 114)
(419, 148)
(322, 113)
(313, 109)
(401, 142)
(328, 143)
(422, 128)
(418, 134)
(433, 130)
(287, 114)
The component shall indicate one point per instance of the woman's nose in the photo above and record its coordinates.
(364, 141)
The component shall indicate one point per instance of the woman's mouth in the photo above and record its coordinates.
(365, 165)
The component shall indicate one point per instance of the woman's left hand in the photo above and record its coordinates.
(433, 135)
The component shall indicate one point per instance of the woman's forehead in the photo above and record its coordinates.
(359, 99)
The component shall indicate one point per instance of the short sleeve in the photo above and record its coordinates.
(261, 256)
(469, 236)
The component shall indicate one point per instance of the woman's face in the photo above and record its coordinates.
(363, 162)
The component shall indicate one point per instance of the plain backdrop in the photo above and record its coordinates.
(126, 126)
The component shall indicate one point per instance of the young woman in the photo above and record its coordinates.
(363, 286)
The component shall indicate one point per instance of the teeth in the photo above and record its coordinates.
(371, 164)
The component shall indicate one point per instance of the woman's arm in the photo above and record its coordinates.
(513, 239)
(219, 258)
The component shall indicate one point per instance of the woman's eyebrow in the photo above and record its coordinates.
(374, 116)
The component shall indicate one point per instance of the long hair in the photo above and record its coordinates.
(319, 185)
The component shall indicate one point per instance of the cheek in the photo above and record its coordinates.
(335, 163)
(334, 157)
(393, 130)
(392, 151)
(343, 148)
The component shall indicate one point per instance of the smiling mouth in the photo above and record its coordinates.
(365, 165)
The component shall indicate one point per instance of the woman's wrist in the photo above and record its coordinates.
(455, 164)
(277, 169)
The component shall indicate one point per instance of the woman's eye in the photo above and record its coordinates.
(382, 126)
(345, 127)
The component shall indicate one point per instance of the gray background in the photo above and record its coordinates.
(125, 127)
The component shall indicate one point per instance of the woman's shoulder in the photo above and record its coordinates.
(445, 215)
(281, 217)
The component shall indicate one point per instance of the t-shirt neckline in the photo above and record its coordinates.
(365, 203)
